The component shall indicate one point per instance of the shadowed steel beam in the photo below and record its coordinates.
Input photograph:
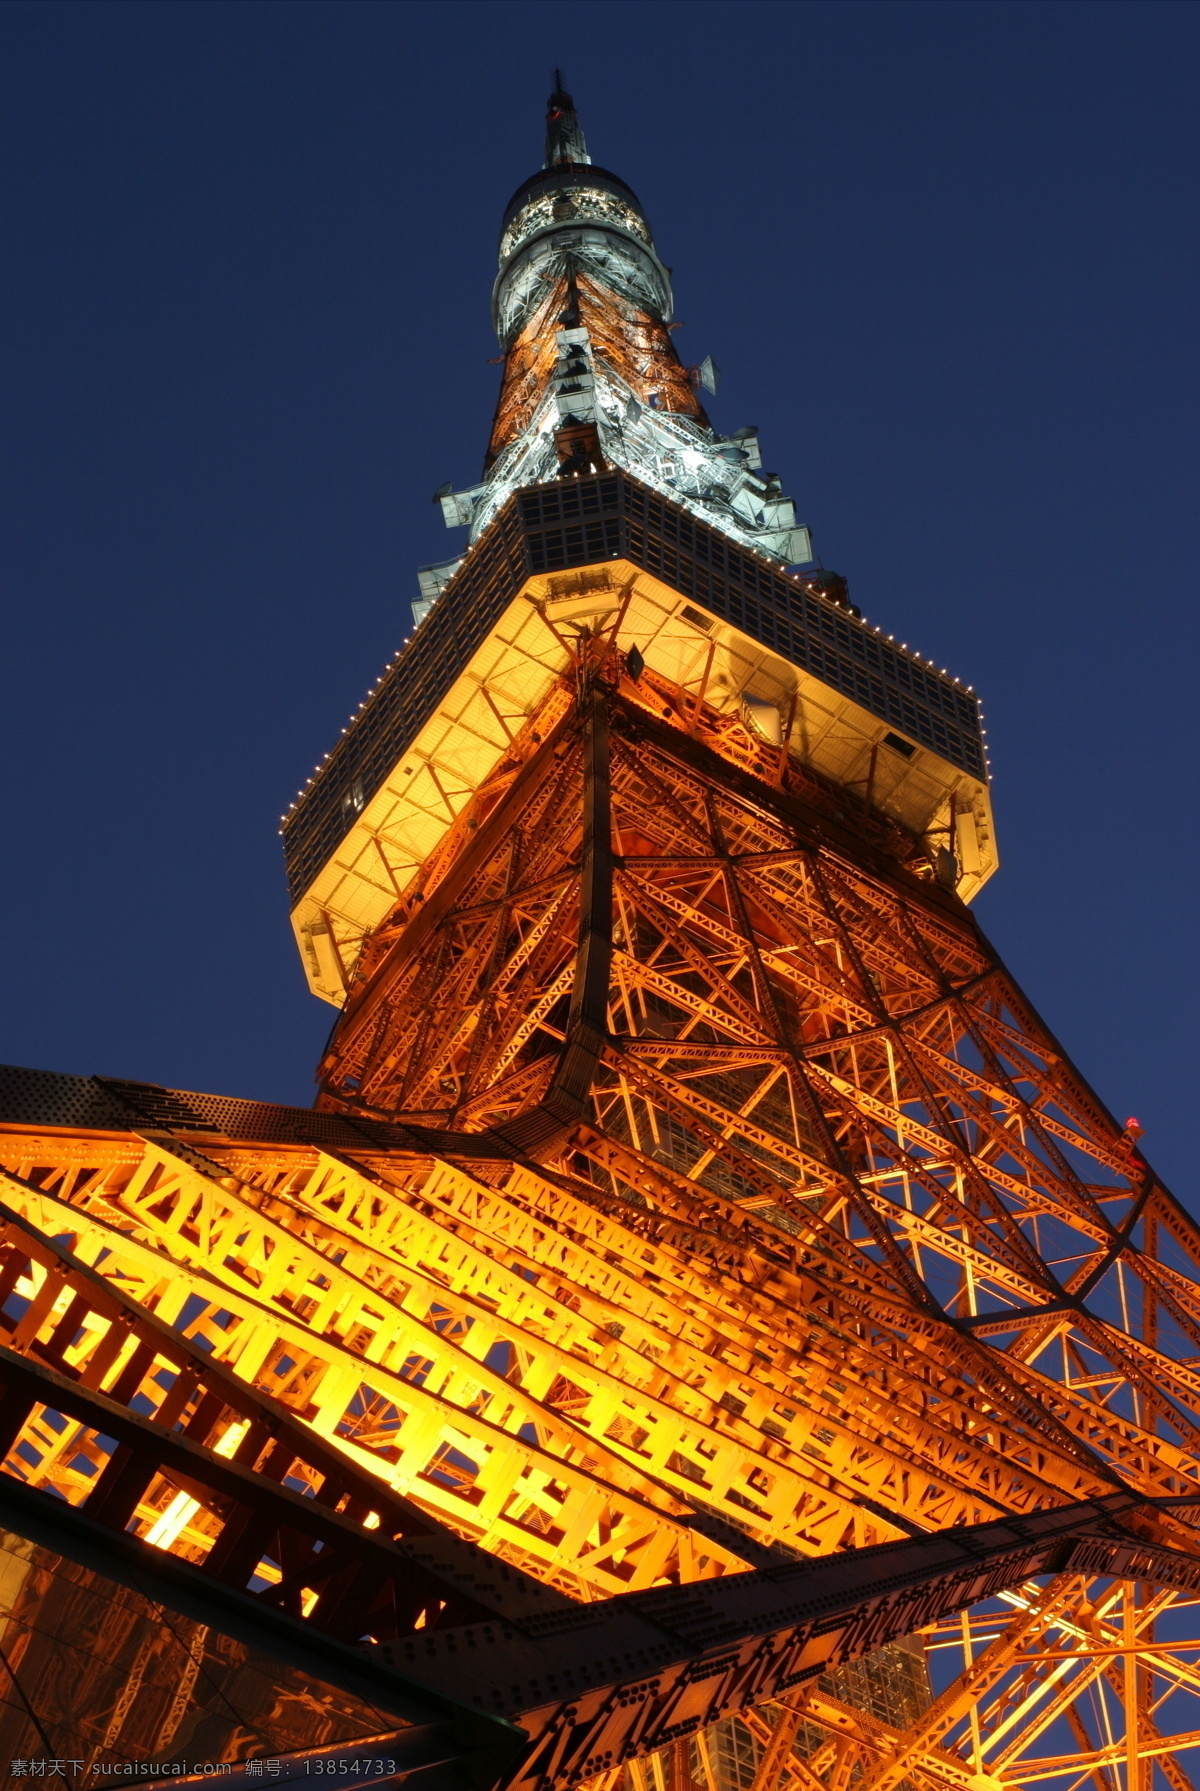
(539, 1131)
(596, 1684)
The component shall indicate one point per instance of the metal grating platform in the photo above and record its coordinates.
(45, 1098)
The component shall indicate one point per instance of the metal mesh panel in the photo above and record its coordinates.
(43, 1098)
(46, 1098)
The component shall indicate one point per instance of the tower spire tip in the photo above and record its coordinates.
(565, 143)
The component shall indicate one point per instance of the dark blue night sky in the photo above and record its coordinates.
(946, 256)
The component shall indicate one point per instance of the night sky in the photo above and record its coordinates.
(946, 257)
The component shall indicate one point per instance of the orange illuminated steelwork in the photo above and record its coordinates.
(692, 1203)
(634, 342)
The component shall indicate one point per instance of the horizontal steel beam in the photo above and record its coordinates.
(600, 1683)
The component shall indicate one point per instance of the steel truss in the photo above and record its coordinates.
(738, 1217)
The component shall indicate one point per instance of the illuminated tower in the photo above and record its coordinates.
(692, 1200)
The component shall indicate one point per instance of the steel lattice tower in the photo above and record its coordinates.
(707, 1320)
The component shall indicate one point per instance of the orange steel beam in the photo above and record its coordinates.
(697, 1191)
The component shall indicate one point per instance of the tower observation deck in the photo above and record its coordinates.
(706, 1336)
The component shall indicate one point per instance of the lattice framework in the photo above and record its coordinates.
(765, 1214)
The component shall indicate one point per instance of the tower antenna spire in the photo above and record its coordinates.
(565, 143)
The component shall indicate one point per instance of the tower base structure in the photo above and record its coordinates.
(703, 1272)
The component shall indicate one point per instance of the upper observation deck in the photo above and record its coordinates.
(708, 614)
